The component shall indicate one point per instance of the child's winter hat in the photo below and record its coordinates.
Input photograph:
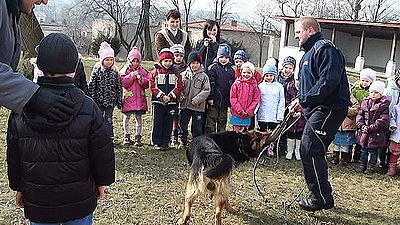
(289, 60)
(224, 50)
(194, 56)
(368, 73)
(135, 54)
(248, 65)
(105, 51)
(57, 53)
(378, 86)
(240, 54)
(270, 67)
(165, 53)
(178, 48)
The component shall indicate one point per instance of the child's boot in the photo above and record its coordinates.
(335, 159)
(290, 148)
(138, 139)
(392, 169)
(361, 167)
(127, 139)
(370, 168)
(345, 158)
(297, 150)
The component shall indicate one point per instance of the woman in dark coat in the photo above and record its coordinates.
(208, 46)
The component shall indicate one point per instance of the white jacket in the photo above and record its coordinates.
(272, 104)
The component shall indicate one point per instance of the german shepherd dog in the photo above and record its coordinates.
(212, 158)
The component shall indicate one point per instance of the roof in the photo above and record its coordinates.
(227, 27)
(372, 29)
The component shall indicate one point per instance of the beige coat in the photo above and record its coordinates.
(349, 123)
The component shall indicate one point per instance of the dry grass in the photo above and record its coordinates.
(150, 185)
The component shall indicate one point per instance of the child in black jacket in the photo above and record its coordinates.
(60, 169)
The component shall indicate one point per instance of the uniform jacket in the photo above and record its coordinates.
(374, 115)
(392, 91)
(395, 123)
(209, 53)
(164, 38)
(245, 96)
(359, 92)
(221, 80)
(323, 79)
(15, 89)
(257, 75)
(196, 87)
(134, 95)
(272, 104)
(105, 87)
(349, 122)
(58, 166)
(165, 82)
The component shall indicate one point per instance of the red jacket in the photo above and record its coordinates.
(245, 96)
(165, 82)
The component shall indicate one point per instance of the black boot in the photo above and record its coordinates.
(361, 167)
(370, 168)
(356, 154)
(311, 204)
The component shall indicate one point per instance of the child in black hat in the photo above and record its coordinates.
(59, 169)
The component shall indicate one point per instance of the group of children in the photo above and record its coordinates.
(183, 91)
(371, 125)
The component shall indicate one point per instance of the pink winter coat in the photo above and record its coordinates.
(134, 89)
(244, 96)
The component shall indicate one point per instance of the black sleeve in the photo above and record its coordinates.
(329, 66)
(13, 155)
(101, 150)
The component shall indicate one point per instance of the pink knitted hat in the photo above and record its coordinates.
(105, 51)
(135, 54)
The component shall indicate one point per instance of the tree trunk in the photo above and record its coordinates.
(148, 50)
(31, 34)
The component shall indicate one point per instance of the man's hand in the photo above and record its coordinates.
(50, 104)
(101, 191)
(18, 200)
(295, 106)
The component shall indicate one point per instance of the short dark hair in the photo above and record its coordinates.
(173, 13)
(208, 26)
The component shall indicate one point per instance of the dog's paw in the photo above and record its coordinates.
(183, 221)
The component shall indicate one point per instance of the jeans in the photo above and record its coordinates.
(108, 117)
(87, 220)
(197, 123)
(374, 155)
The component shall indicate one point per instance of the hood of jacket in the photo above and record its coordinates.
(60, 85)
(392, 85)
(191, 73)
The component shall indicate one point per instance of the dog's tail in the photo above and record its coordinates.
(218, 166)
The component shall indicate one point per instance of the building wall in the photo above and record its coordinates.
(376, 51)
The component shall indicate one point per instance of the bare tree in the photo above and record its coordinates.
(122, 13)
(187, 5)
(262, 24)
(381, 10)
(148, 52)
(291, 7)
(221, 10)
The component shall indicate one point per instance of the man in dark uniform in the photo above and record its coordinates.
(324, 98)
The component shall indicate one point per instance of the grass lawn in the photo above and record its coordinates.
(150, 186)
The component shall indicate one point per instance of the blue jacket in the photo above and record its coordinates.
(323, 79)
(221, 79)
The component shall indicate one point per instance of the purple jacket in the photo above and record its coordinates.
(291, 93)
(134, 89)
(374, 115)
